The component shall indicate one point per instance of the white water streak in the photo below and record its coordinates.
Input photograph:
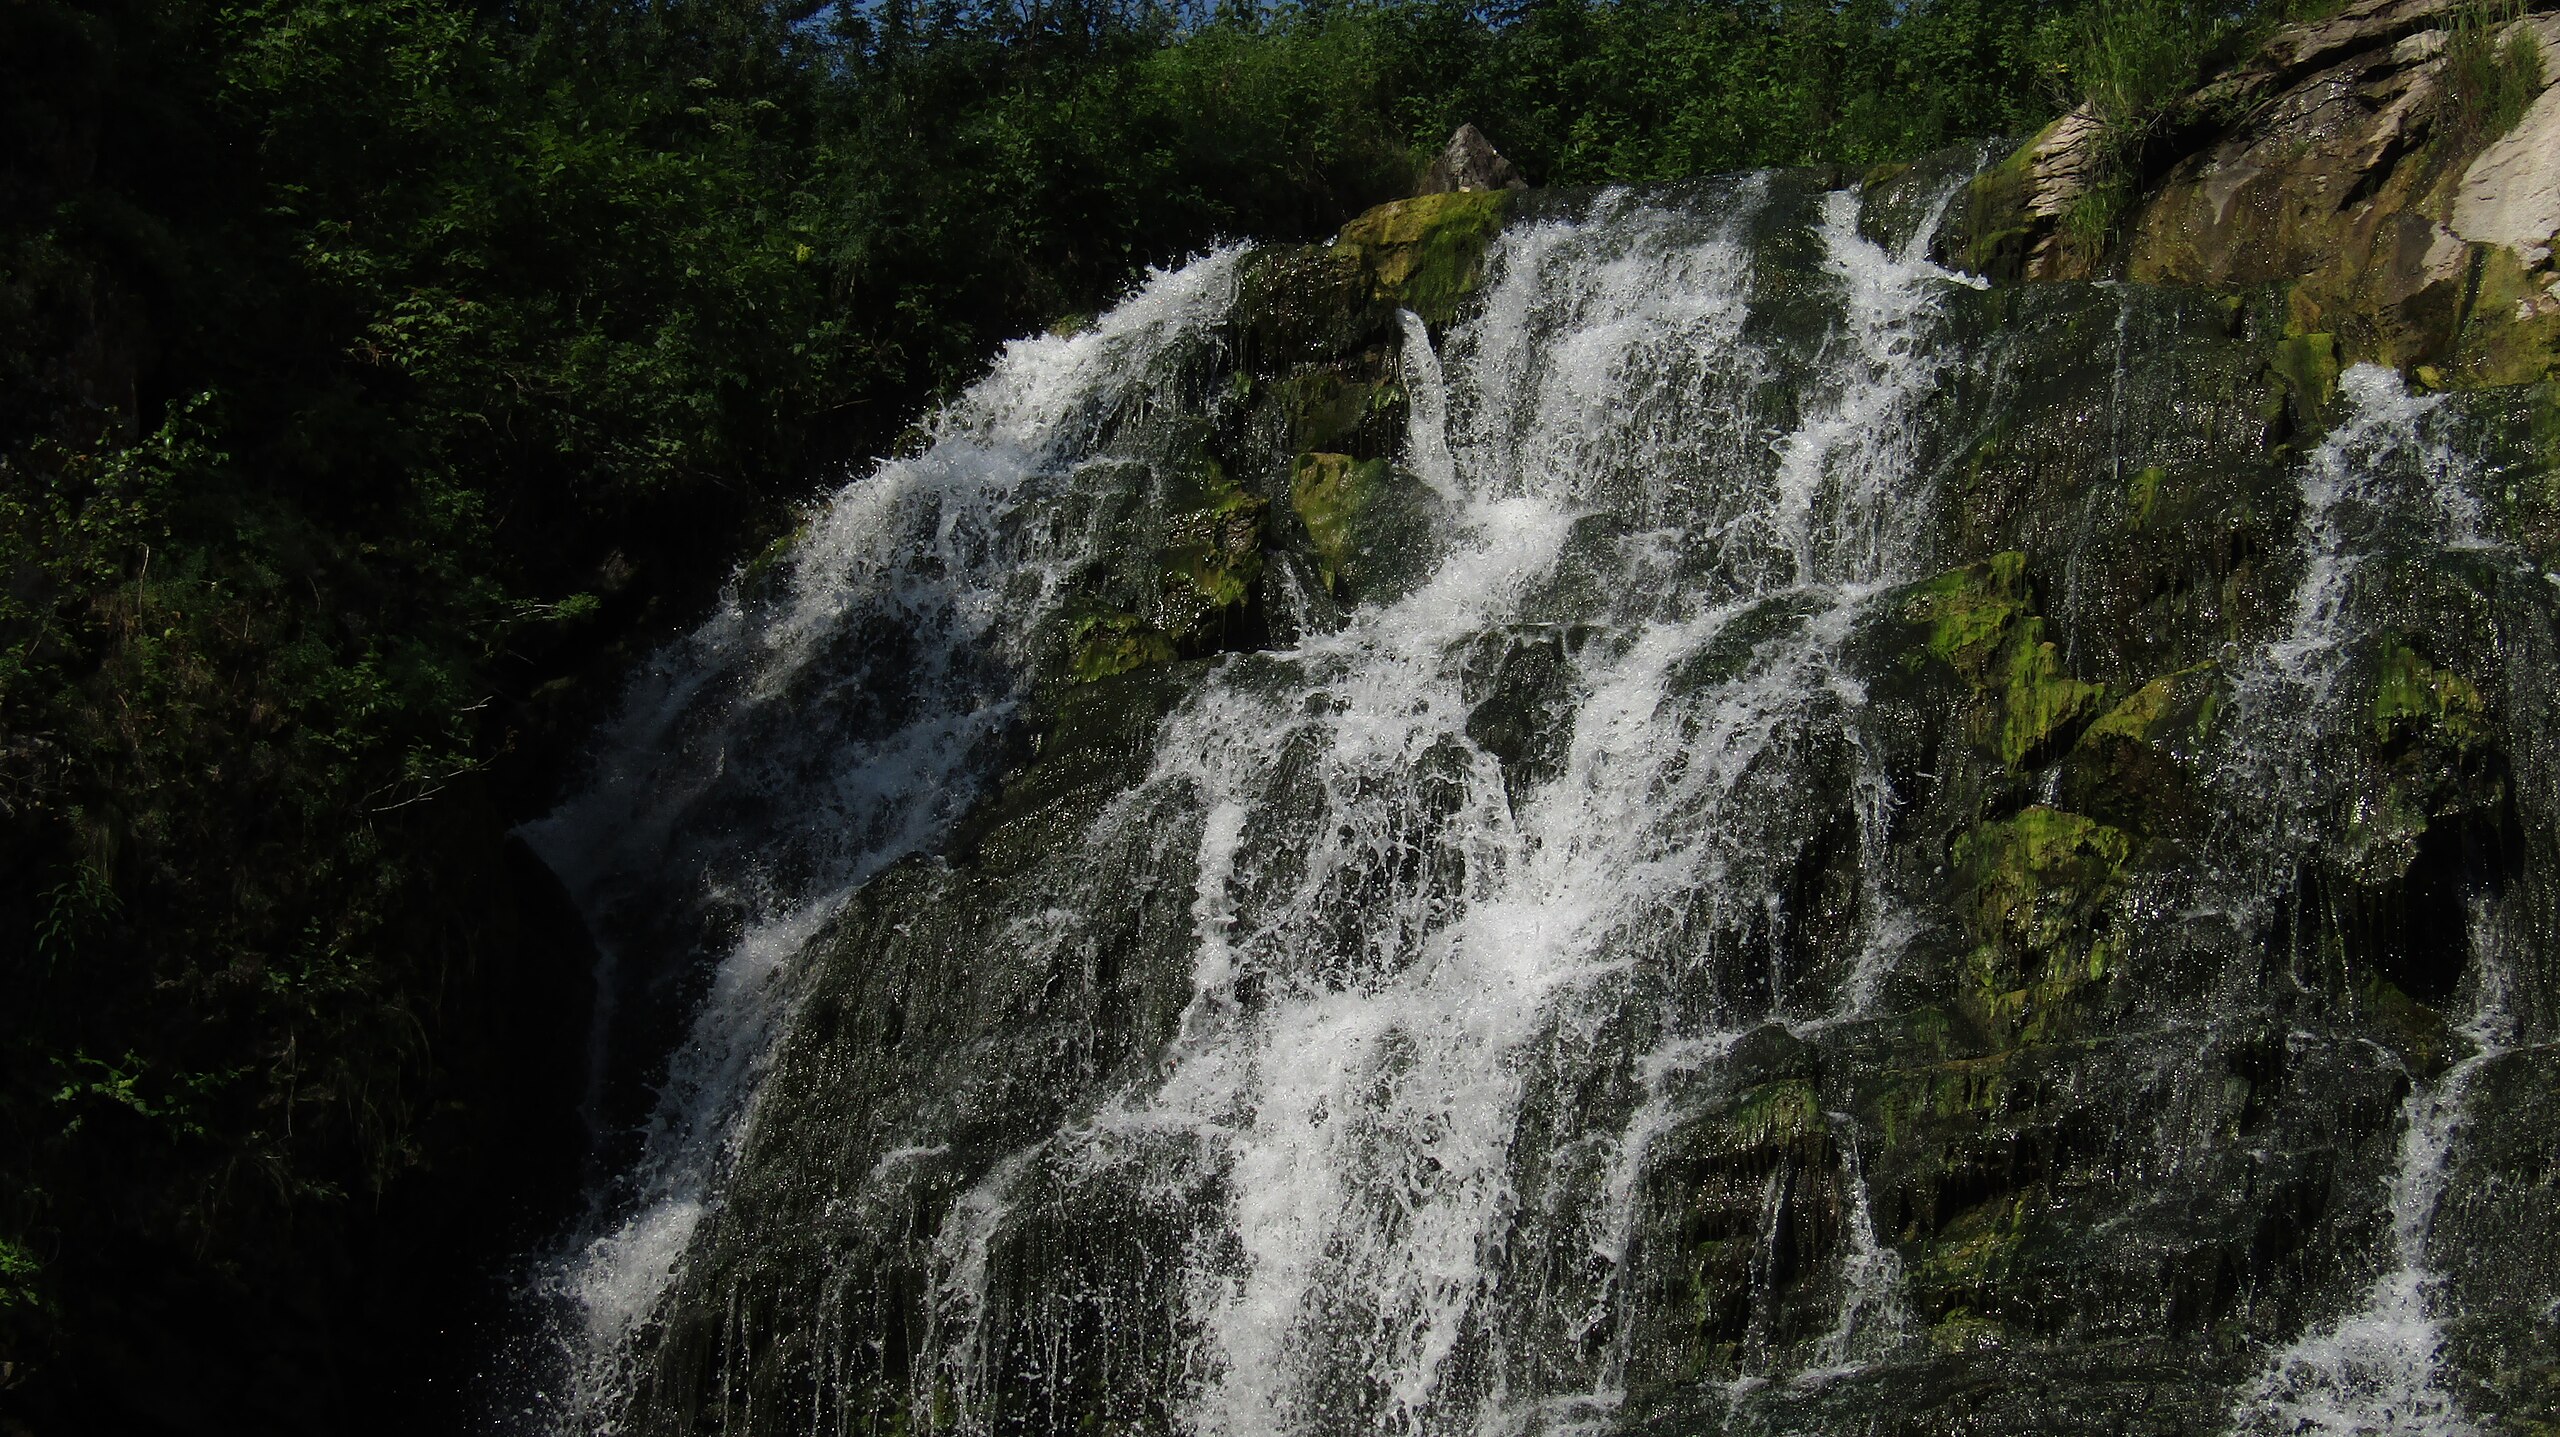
(927, 559)
(2379, 1371)
(1362, 1111)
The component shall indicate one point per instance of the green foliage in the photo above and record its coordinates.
(2133, 58)
(2127, 64)
(2492, 68)
(19, 1271)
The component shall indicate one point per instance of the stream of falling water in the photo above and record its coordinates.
(1452, 996)
(800, 741)
(1412, 940)
(2379, 1369)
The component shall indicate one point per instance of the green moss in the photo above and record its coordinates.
(1962, 1332)
(2417, 1031)
(2126, 769)
(2040, 701)
(1324, 409)
(1208, 556)
(2035, 887)
(1328, 492)
(2033, 875)
(1975, 1250)
(1996, 226)
(1968, 613)
(1770, 1114)
(2414, 701)
(1960, 1090)
(1102, 645)
(1425, 254)
(2142, 495)
(2510, 328)
(1981, 622)
(1213, 547)
(2173, 703)
(2307, 365)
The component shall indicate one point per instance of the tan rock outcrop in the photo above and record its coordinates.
(2328, 161)
(2511, 194)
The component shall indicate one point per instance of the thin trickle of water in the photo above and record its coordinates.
(2380, 482)
(1872, 1316)
(2379, 1371)
(1426, 408)
(799, 742)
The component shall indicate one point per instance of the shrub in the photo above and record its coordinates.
(2492, 69)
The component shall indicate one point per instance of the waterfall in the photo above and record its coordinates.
(2378, 481)
(1699, 907)
(2380, 1369)
(804, 738)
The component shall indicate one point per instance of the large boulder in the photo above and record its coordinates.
(1470, 162)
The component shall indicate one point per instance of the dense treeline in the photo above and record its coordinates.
(376, 375)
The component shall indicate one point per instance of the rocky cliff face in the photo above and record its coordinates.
(2357, 162)
(1647, 812)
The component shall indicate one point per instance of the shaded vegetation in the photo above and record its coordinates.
(2492, 70)
(377, 376)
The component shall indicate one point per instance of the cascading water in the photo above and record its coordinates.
(806, 737)
(1624, 915)
(2379, 480)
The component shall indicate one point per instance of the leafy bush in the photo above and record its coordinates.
(2492, 68)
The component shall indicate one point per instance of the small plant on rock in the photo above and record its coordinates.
(2492, 69)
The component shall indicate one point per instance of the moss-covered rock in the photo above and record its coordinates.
(1981, 621)
(1963, 1266)
(2035, 888)
(2306, 366)
(1299, 305)
(1968, 612)
(2016, 220)
(1101, 646)
(1340, 410)
(1425, 254)
(1210, 561)
(2332, 163)
(2131, 768)
(1329, 493)
(2510, 331)
(2416, 702)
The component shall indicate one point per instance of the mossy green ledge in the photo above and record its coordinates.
(1426, 254)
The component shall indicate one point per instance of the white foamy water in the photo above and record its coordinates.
(807, 735)
(2380, 483)
(2380, 1370)
(1381, 979)
(2351, 485)
(1471, 1021)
